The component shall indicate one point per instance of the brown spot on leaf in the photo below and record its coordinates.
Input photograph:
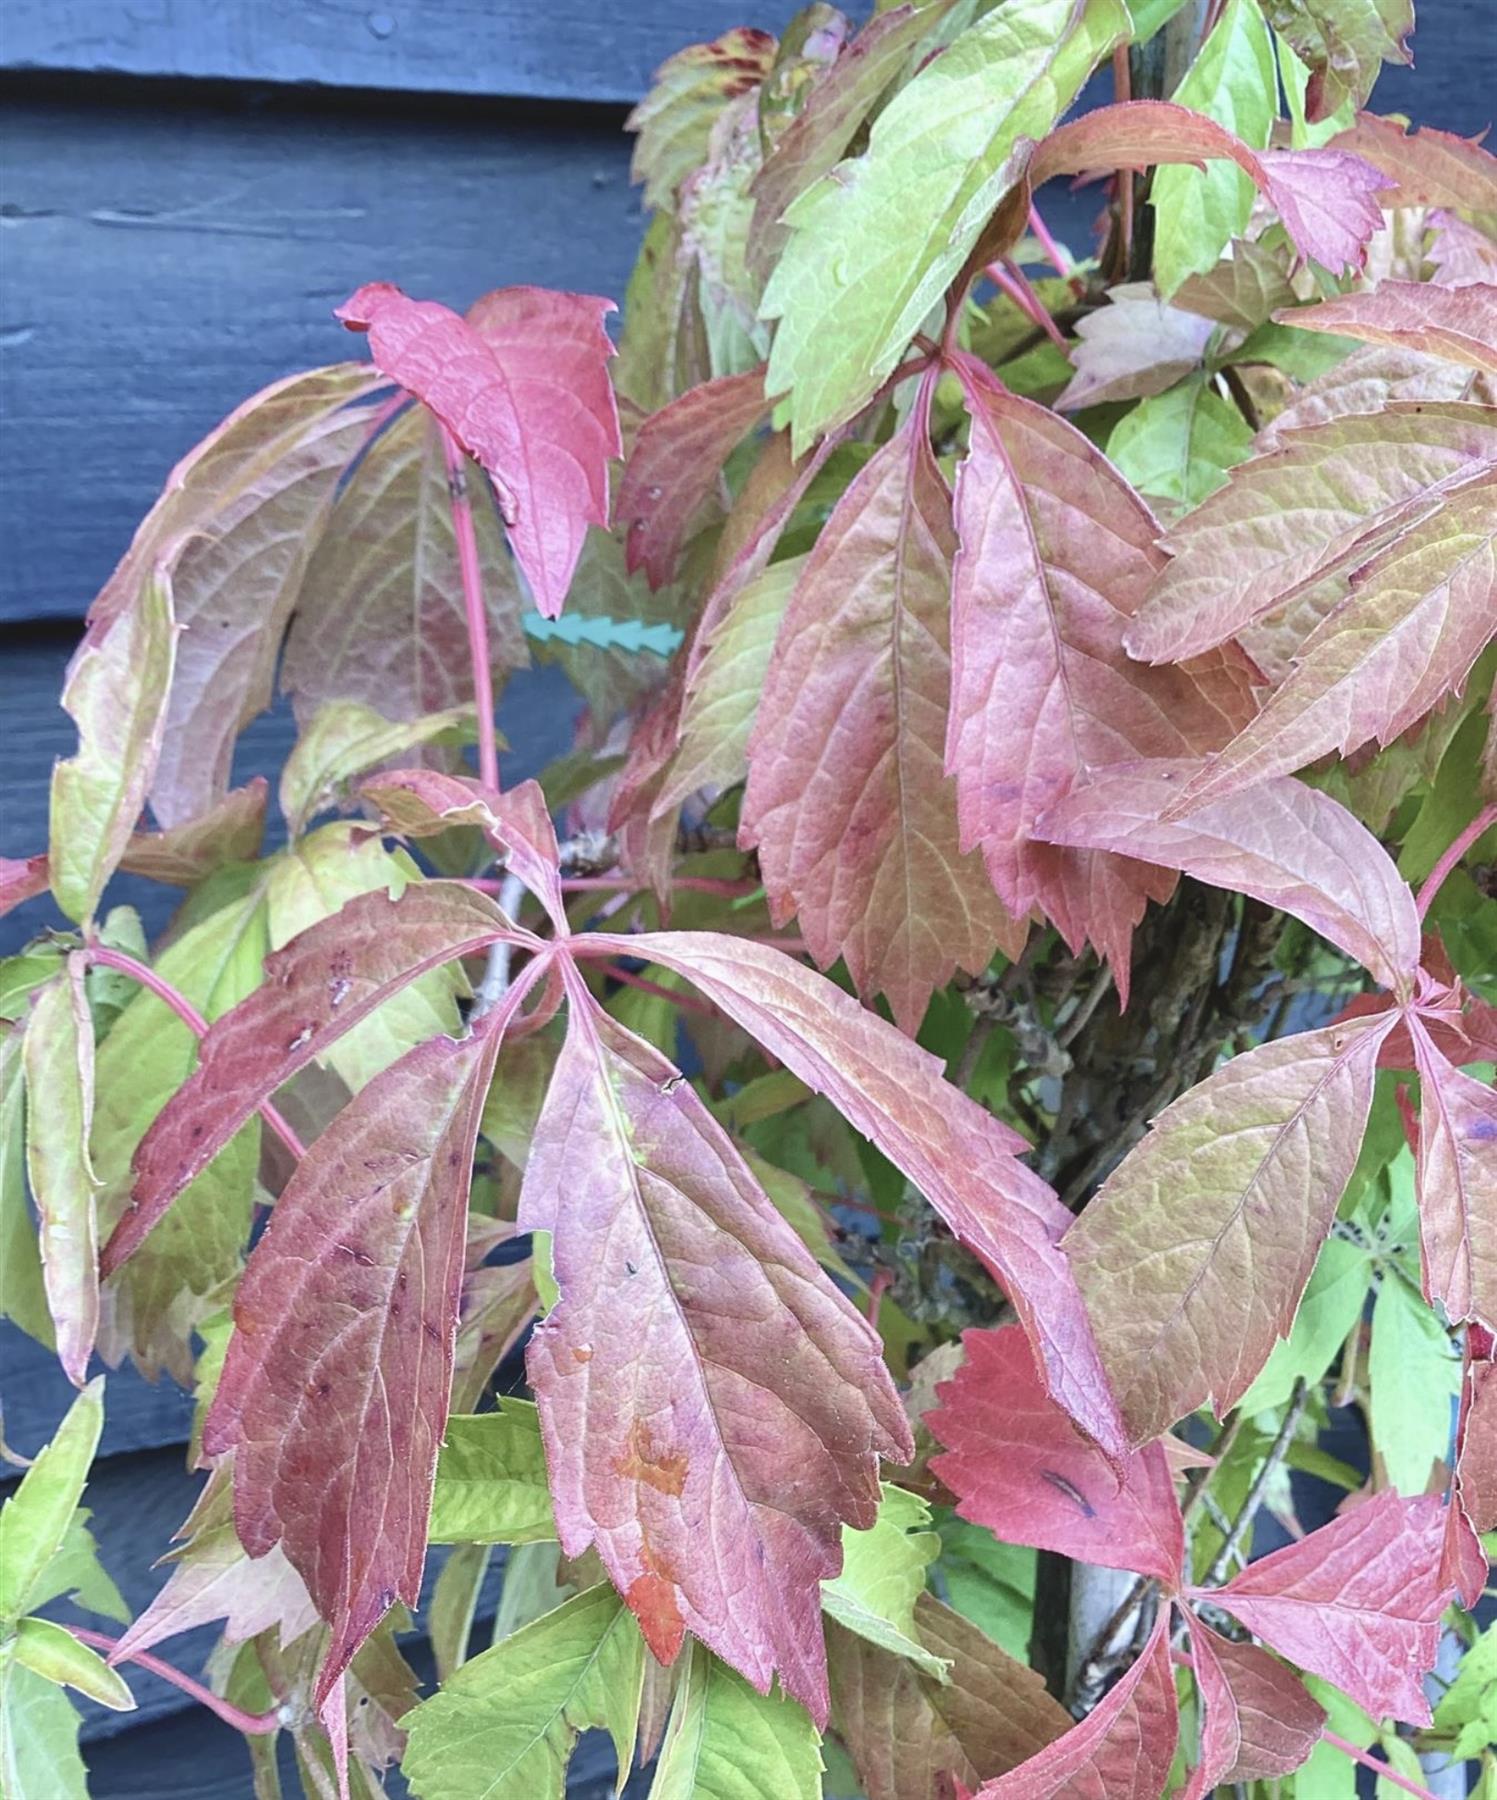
(663, 1470)
(652, 1600)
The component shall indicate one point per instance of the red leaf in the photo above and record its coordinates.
(1423, 167)
(1357, 1602)
(317, 988)
(713, 1408)
(1476, 1467)
(1458, 323)
(1325, 198)
(1284, 843)
(856, 827)
(1457, 1179)
(522, 384)
(333, 1396)
(954, 1151)
(675, 465)
(1122, 1750)
(1019, 1466)
(1259, 1722)
(1056, 553)
(517, 823)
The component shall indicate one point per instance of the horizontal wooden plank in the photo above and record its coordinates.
(163, 263)
(568, 49)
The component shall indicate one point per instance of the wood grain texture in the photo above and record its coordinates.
(564, 50)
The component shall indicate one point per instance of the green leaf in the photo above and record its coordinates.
(491, 1479)
(345, 738)
(1331, 1305)
(883, 1574)
(1343, 44)
(22, 1294)
(875, 244)
(39, 1757)
(169, 1285)
(1179, 445)
(504, 1727)
(313, 880)
(1468, 1707)
(117, 690)
(1414, 1375)
(77, 1572)
(52, 1651)
(726, 1742)
(58, 1056)
(21, 976)
(990, 1583)
(34, 1522)
(454, 1605)
(1198, 211)
(675, 120)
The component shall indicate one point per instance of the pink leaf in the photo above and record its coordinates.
(1193, 1256)
(1458, 323)
(232, 830)
(517, 823)
(315, 990)
(21, 879)
(856, 827)
(1122, 1749)
(1259, 1722)
(1286, 844)
(1417, 615)
(1457, 1180)
(1423, 167)
(954, 1151)
(1325, 198)
(1318, 506)
(1134, 346)
(1357, 1602)
(1019, 1466)
(713, 1408)
(522, 384)
(215, 1579)
(334, 1393)
(1057, 551)
(676, 464)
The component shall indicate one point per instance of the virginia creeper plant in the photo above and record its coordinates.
(980, 1051)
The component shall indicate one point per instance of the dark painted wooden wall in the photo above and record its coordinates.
(187, 188)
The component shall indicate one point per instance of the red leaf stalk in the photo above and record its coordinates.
(1384, 1770)
(253, 1724)
(478, 624)
(1479, 826)
(104, 957)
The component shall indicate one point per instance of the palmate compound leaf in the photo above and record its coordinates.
(58, 1060)
(1056, 553)
(877, 240)
(907, 1732)
(1417, 616)
(1193, 1255)
(856, 826)
(1313, 508)
(234, 526)
(1366, 381)
(117, 691)
(522, 384)
(1358, 1602)
(315, 990)
(1259, 1722)
(1122, 1749)
(1423, 167)
(504, 1725)
(676, 465)
(954, 1151)
(712, 1407)
(1018, 1465)
(1458, 323)
(1285, 844)
(35, 1520)
(380, 617)
(727, 1742)
(1457, 1179)
(334, 1390)
(882, 1577)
